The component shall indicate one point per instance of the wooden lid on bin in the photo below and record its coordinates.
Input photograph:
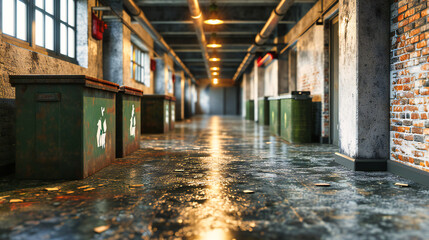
(131, 91)
(87, 81)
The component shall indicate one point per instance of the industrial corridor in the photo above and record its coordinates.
(214, 119)
(219, 178)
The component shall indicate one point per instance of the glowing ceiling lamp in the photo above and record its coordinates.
(214, 16)
(215, 68)
(214, 43)
(214, 59)
(215, 81)
(215, 73)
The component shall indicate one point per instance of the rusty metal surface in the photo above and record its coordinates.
(155, 114)
(57, 129)
(128, 122)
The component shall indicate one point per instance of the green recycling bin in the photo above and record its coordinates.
(264, 111)
(274, 113)
(172, 112)
(128, 120)
(296, 118)
(250, 110)
(155, 113)
(65, 125)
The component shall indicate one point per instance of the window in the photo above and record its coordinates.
(54, 28)
(140, 65)
(14, 18)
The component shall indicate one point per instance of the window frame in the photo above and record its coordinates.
(30, 43)
(144, 66)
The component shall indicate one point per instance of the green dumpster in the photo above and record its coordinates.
(250, 110)
(128, 120)
(65, 125)
(296, 118)
(172, 112)
(264, 111)
(274, 113)
(155, 113)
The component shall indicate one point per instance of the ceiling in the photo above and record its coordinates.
(243, 20)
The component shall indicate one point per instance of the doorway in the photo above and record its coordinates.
(334, 81)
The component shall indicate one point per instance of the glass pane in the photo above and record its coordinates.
(8, 17)
(49, 33)
(39, 3)
(21, 21)
(131, 62)
(49, 6)
(63, 10)
(40, 31)
(63, 39)
(71, 42)
(142, 74)
(71, 12)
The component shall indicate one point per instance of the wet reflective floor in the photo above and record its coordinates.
(217, 178)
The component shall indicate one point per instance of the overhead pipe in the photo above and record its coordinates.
(272, 22)
(139, 16)
(197, 17)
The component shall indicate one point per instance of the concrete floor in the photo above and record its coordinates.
(190, 183)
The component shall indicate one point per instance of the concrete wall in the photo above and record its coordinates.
(271, 78)
(310, 66)
(409, 84)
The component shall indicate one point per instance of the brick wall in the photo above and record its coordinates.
(410, 83)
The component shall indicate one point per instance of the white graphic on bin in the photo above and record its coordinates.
(133, 123)
(101, 130)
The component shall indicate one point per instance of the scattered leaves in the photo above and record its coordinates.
(179, 170)
(52, 189)
(88, 189)
(322, 185)
(70, 192)
(158, 149)
(16, 201)
(101, 229)
(401, 184)
(86, 186)
(136, 185)
(249, 191)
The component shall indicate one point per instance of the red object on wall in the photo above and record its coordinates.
(267, 58)
(174, 78)
(152, 65)
(98, 27)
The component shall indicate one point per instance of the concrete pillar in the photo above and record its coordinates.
(179, 88)
(188, 99)
(364, 84)
(113, 37)
(160, 76)
(244, 95)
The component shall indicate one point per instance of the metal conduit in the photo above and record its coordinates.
(197, 17)
(138, 15)
(274, 19)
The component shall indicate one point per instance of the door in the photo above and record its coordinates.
(334, 82)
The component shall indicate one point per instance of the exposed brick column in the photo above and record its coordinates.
(364, 83)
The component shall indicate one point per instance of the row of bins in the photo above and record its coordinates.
(71, 126)
(290, 117)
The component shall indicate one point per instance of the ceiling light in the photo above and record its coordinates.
(214, 68)
(215, 81)
(215, 73)
(213, 16)
(214, 59)
(213, 21)
(214, 45)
